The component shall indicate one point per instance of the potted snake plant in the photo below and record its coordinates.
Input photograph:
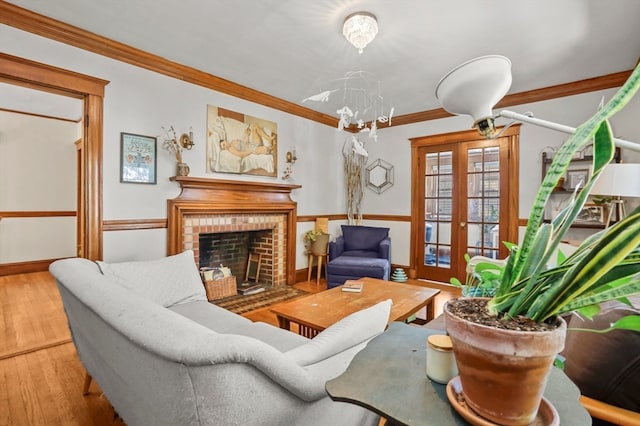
(515, 334)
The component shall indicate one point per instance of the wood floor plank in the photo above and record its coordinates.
(27, 389)
(32, 313)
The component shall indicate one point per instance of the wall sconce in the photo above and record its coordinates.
(291, 156)
(175, 145)
(186, 140)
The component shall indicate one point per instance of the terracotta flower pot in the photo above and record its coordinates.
(503, 372)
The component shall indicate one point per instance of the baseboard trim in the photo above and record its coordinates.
(25, 267)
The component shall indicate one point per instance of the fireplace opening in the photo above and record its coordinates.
(232, 249)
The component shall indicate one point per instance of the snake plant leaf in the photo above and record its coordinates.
(619, 241)
(589, 311)
(622, 287)
(577, 141)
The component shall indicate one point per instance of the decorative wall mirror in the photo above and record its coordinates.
(379, 176)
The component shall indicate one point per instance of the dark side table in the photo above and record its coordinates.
(389, 377)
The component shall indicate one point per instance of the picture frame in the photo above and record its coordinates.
(241, 144)
(576, 177)
(138, 158)
(591, 214)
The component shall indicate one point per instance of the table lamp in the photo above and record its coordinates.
(618, 180)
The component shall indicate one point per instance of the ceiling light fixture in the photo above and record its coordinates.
(360, 29)
(475, 87)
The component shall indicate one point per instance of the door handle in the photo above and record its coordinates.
(463, 224)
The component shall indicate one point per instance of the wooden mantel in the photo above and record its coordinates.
(222, 196)
(243, 191)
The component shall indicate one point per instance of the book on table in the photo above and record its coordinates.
(353, 286)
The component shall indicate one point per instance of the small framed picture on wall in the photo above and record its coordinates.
(137, 158)
(577, 178)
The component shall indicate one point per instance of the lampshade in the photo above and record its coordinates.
(360, 29)
(618, 180)
(474, 87)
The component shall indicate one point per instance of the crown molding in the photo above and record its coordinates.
(44, 26)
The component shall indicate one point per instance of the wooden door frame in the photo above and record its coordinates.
(512, 191)
(35, 75)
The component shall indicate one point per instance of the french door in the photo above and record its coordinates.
(465, 200)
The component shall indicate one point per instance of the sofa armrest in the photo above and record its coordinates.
(336, 248)
(610, 413)
(384, 250)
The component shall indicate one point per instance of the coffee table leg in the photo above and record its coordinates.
(284, 323)
(430, 310)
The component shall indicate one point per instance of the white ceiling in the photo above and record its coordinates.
(293, 49)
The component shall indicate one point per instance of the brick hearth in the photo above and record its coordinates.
(214, 206)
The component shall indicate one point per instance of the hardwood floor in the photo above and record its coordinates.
(41, 376)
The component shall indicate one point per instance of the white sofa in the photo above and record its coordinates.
(163, 355)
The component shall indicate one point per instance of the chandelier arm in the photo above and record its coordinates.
(620, 143)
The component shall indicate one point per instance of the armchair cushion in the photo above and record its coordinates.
(366, 238)
(356, 267)
(166, 281)
(353, 330)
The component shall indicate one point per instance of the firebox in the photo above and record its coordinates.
(231, 249)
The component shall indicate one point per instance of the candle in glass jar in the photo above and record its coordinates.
(441, 363)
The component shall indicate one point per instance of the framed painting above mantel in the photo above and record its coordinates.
(239, 143)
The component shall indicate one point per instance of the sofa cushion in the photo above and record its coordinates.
(211, 316)
(605, 366)
(166, 281)
(363, 237)
(223, 321)
(350, 331)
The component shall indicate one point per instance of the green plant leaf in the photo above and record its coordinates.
(589, 311)
(630, 322)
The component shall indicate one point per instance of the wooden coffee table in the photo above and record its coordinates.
(318, 311)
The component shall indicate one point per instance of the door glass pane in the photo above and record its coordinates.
(438, 209)
(483, 201)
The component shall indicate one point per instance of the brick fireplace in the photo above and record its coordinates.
(215, 209)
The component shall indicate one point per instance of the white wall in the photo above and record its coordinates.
(139, 101)
(37, 172)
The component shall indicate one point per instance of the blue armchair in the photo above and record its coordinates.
(361, 251)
